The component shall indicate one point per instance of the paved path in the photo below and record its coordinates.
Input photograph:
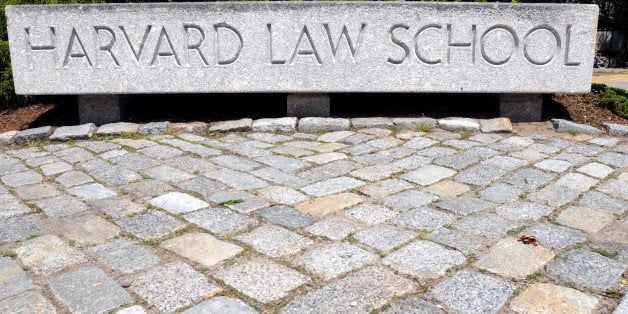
(619, 80)
(335, 222)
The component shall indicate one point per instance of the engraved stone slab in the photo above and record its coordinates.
(307, 47)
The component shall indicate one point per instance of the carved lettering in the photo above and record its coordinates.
(344, 32)
(270, 47)
(234, 31)
(137, 53)
(171, 52)
(71, 52)
(526, 42)
(106, 47)
(515, 40)
(399, 43)
(195, 46)
(305, 51)
(417, 51)
(567, 45)
(48, 47)
(451, 44)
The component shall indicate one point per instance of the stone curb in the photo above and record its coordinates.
(291, 124)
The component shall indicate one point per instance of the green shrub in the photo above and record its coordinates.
(8, 99)
(615, 99)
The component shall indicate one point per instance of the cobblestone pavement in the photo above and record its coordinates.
(348, 221)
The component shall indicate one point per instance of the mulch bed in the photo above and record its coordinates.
(22, 117)
(585, 108)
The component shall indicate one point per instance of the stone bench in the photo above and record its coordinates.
(103, 51)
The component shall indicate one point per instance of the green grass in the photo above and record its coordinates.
(232, 202)
(425, 127)
(572, 132)
(605, 253)
(465, 135)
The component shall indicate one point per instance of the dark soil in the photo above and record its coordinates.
(215, 107)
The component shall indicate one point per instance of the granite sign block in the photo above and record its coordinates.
(301, 47)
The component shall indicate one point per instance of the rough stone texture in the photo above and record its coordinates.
(313, 125)
(545, 297)
(219, 220)
(65, 133)
(427, 175)
(118, 128)
(11, 206)
(6, 138)
(485, 225)
(48, 254)
(19, 228)
(413, 305)
(275, 241)
(27, 303)
(447, 189)
(333, 260)
(521, 107)
(31, 135)
(596, 170)
(172, 286)
(240, 125)
(190, 127)
(117, 207)
(261, 279)
(14, 280)
(523, 210)
(308, 105)
(360, 292)
(424, 218)
(99, 109)
(154, 127)
(459, 124)
(151, 225)
(623, 306)
(251, 202)
(585, 219)
(565, 125)
(223, 305)
(424, 259)
(124, 256)
(18, 179)
(86, 229)
(322, 206)
(616, 129)
(472, 292)
(408, 200)
(511, 258)
(98, 293)
(287, 124)
(94, 191)
(61, 205)
(285, 216)
(371, 214)
(497, 125)
(455, 240)
(376, 122)
(586, 269)
(464, 205)
(201, 248)
(178, 203)
(414, 123)
(553, 236)
(282, 195)
(335, 228)
(383, 237)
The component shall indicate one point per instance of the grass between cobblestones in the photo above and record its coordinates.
(610, 212)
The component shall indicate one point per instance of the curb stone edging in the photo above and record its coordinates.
(292, 124)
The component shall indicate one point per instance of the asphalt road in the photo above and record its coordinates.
(612, 79)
